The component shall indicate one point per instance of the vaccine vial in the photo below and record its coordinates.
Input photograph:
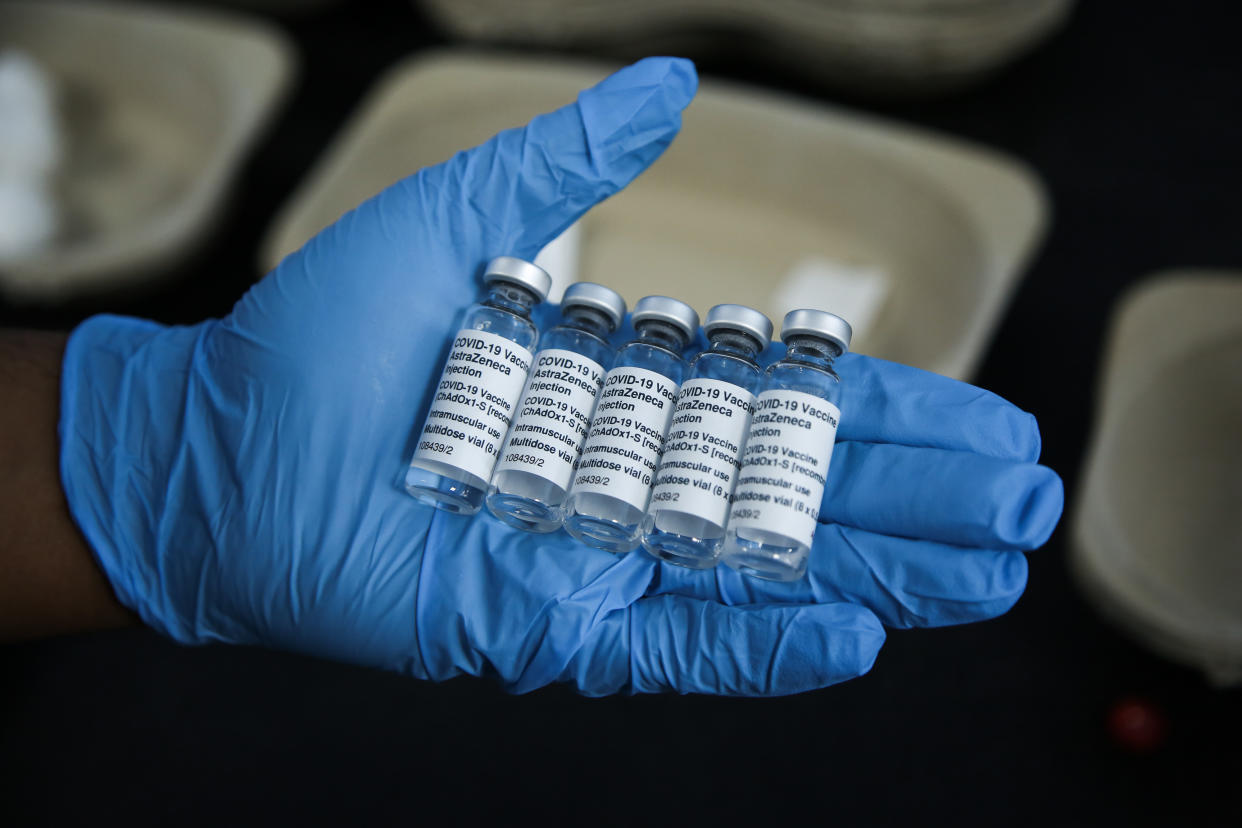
(478, 390)
(537, 462)
(685, 523)
(785, 462)
(612, 483)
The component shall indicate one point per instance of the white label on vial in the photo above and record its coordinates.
(474, 402)
(784, 464)
(702, 453)
(626, 435)
(553, 415)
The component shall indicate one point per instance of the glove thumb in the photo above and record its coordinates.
(515, 193)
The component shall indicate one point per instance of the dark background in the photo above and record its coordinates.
(1132, 116)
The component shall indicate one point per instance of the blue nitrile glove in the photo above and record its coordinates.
(239, 479)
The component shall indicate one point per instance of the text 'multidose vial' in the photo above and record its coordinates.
(785, 462)
(537, 462)
(685, 523)
(474, 400)
(612, 483)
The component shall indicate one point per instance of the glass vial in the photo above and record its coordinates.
(785, 462)
(612, 483)
(537, 462)
(478, 390)
(685, 523)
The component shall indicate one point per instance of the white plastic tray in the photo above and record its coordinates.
(1157, 527)
(754, 186)
(159, 106)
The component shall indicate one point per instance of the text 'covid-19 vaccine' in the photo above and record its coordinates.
(537, 462)
(685, 523)
(612, 484)
(785, 463)
(474, 401)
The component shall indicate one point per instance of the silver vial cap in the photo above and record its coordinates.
(519, 272)
(590, 295)
(809, 322)
(673, 311)
(740, 318)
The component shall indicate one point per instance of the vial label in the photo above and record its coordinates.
(702, 454)
(474, 402)
(784, 464)
(626, 436)
(553, 416)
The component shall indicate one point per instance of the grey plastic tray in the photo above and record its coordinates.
(1157, 528)
(894, 46)
(159, 106)
(930, 231)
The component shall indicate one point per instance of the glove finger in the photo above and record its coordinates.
(694, 646)
(675, 642)
(907, 583)
(954, 497)
(515, 193)
(884, 402)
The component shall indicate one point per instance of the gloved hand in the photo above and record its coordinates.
(239, 480)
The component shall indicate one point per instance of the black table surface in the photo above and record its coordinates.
(1132, 116)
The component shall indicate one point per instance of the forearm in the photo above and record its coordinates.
(49, 582)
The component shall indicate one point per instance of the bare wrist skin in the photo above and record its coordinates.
(49, 581)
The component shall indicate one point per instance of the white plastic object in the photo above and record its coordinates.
(1157, 527)
(27, 217)
(30, 150)
(754, 184)
(30, 141)
(858, 292)
(559, 258)
(159, 105)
